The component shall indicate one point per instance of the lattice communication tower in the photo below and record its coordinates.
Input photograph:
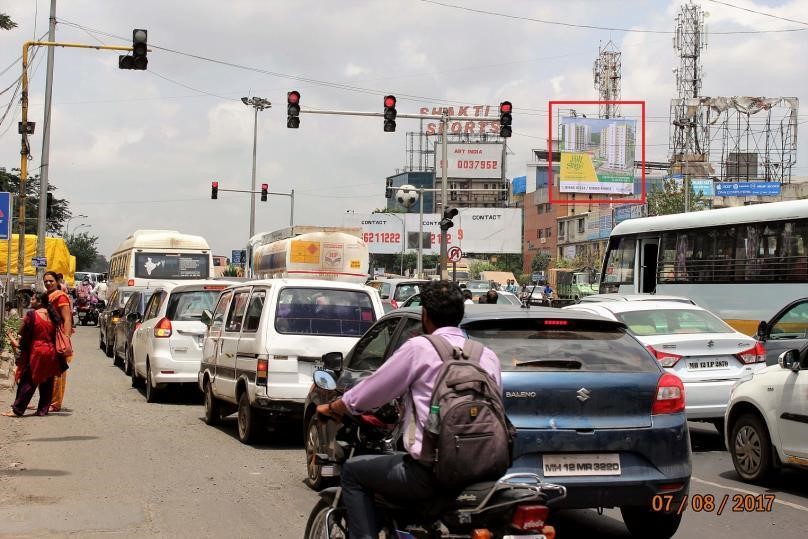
(607, 72)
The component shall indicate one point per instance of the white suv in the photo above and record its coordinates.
(767, 418)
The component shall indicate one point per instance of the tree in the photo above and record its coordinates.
(10, 181)
(671, 199)
(101, 264)
(84, 247)
(6, 23)
(540, 263)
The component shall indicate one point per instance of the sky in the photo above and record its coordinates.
(139, 149)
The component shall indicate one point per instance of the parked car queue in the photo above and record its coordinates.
(264, 339)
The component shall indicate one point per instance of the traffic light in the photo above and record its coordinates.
(505, 119)
(214, 190)
(264, 192)
(446, 223)
(388, 190)
(138, 59)
(293, 109)
(49, 208)
(390, 114)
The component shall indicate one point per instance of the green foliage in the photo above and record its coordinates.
(540, 262)
(475, 268)
(6, 23)
(671, 199)
(231, 271)
(10, 181)
(12, 323)
(85, 248)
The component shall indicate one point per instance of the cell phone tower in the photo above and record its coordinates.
(607, 72)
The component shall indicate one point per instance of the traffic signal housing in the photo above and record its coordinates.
(293, 109)
(49, 207)
(388, 189)
(214, 190)
(264, 192)
(390, 114)
(448, 214)
(505, 119)
(138, 60)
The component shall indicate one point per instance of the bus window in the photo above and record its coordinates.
(620, 261)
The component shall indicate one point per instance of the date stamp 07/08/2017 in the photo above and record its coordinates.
(708, 503)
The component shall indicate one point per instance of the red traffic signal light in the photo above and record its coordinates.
(214, 190)
(293, 109)
(264, 192)
(390, 113)
(505, 119)
(505, 106)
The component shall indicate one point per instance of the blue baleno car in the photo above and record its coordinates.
(593, 409)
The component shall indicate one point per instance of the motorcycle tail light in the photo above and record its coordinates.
(756, 354)
(530, 517)
(163, 328)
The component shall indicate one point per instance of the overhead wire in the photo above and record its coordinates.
(758, 12)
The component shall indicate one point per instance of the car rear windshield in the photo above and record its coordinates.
(562, 345)
(323, 311)
(187, 306)
(672, 321)
(406, 290)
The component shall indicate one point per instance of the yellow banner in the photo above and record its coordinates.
(305, 252)
(577, 167)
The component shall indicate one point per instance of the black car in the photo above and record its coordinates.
(788, 329)
(594, 411)
(131, 316)
(110, 316)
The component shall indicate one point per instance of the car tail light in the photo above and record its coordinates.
(163, 328)
(115, 319)
(394, 303)
(556, 322)
(130, 282)
(756, 354)
(670, 395)
(666, 359)
(530, 517)
(262, 372)
(482, 533)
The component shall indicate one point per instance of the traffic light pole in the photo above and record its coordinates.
(290, 194)
(25, 149)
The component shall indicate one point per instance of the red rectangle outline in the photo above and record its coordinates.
(640, 200)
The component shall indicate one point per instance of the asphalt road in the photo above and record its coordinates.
(111, 464)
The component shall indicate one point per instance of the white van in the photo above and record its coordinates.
(264, 338)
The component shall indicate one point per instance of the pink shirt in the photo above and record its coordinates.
(412, 370)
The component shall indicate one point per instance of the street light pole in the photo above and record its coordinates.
(258, 103)
(67, 225)
(444, 257)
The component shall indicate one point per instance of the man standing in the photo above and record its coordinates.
(410, 372)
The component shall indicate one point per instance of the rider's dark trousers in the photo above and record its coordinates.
(396, 477)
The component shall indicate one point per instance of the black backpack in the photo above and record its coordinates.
(470, 439)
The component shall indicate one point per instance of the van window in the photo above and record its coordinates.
(186, 306)
(236, 314)
(253, 318)
(322, 311)
(221, 308)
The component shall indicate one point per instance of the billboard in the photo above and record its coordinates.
(471, 160)
(476, 230)
(597, 155)
(703, 186)
(481, 119)
(5, 215)
(745, 189)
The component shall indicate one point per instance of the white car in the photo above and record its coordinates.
(767, 418)
(692, 343)
(596, 298)
(167, 345)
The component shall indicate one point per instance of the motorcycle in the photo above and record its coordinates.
(87, 311)
(512, 507)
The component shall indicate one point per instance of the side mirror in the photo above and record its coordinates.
(133, 317)
(332, 361)
(385, 296)
(762, 330)
(207, 317)
(790, 359)
(324, 380)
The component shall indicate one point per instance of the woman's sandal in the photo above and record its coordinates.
(11, 413)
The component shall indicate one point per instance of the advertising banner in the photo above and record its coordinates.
(5, 215)
(745, 189)
(629, 211)
(703, 186)
(597, 155)
(472, 160)
(476, 230)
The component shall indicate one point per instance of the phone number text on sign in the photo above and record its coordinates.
(381, 237)
(464, 164)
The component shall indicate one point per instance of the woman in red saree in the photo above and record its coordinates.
(38, 363)
(61, 302)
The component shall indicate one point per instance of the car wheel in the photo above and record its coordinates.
(151, 390)
(110, 350)
(645, 523)
(101, 344)
(314, 445)
(247, 422)
(131, 368)
(750, 448)
(128, 362)
(213, 411)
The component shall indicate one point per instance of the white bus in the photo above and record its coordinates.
(742, 263)
(159, 255)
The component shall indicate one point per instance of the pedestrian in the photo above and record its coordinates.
(60, 302)
(38, 363)
(492, 296)
(468, 297)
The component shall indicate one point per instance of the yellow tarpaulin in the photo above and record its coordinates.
(58, 256)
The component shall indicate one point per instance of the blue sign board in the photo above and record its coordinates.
(703, 186)
(746, 189)
(39, 262)
(5, 216)
(519, 185)
(235, 256)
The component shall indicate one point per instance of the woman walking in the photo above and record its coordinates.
(61, 303)
(38, 363)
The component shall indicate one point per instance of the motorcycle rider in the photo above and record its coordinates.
(84, 293)
(411, 373)
(100, 290)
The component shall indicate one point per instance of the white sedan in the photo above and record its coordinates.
(167, 345)
(693, 343)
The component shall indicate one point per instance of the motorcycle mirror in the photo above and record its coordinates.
(324, 380)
